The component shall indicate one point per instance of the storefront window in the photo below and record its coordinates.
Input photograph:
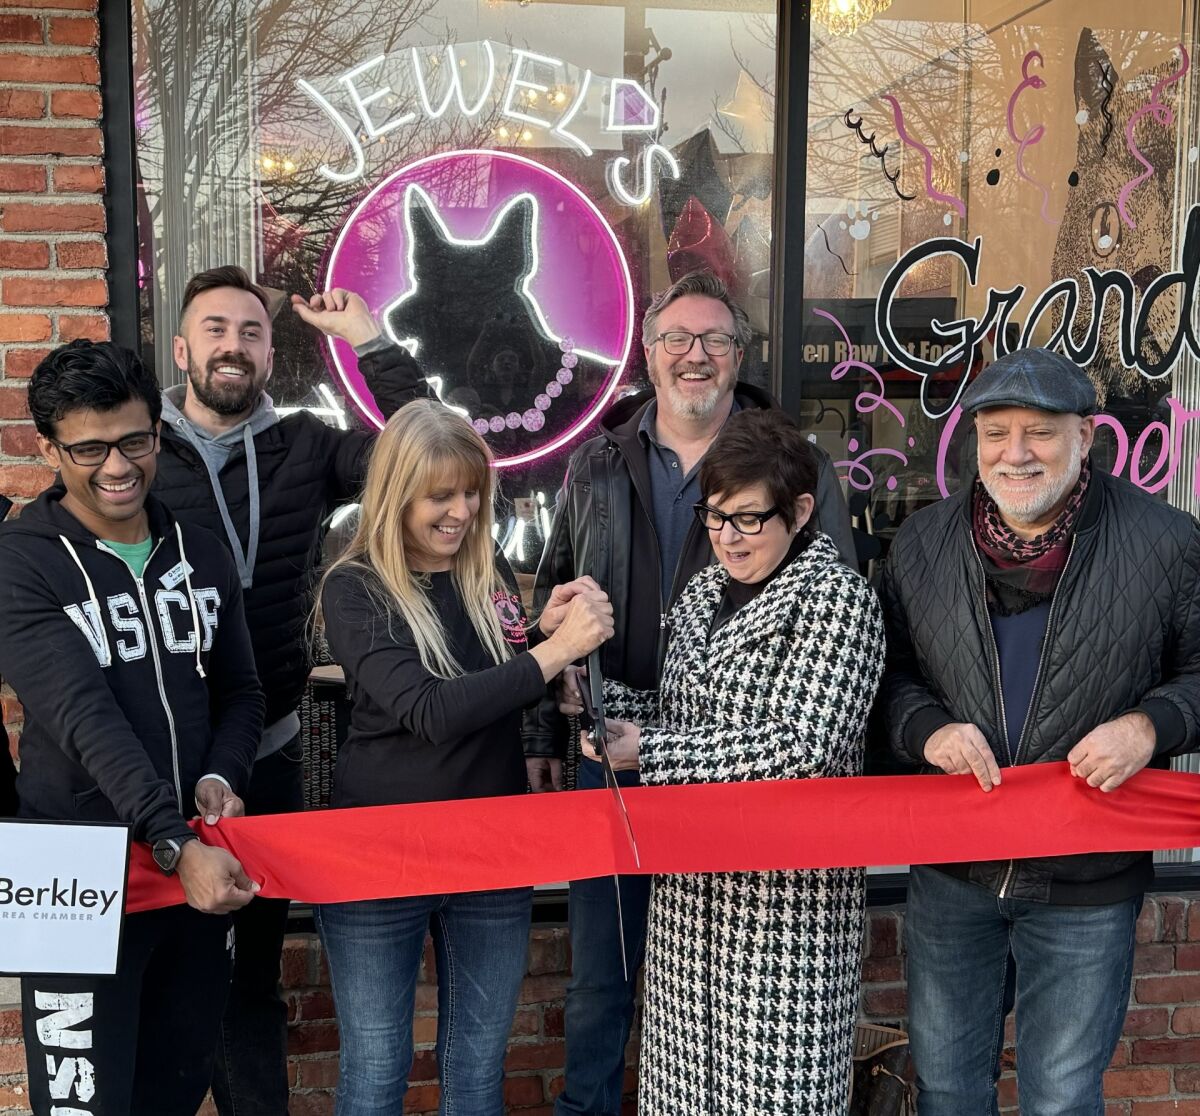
(984, 176)
(506, 184)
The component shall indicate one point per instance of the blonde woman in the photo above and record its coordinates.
(424, 615)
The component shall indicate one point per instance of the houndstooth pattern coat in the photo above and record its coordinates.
(751, 983)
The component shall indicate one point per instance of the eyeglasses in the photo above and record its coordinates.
(744, 523)
(132, 446)
(678, 342)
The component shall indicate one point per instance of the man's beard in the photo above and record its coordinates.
(1052, 491)
(225, 399)
(687, 406)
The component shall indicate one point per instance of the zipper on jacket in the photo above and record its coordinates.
(152, 639)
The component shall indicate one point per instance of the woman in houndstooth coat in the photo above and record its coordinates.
(773, 660)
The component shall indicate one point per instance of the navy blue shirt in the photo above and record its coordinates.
(672, 494)
(1019, 647)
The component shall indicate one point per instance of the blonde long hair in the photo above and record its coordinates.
(423, 444)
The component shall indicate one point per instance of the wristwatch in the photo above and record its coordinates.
(167, 851)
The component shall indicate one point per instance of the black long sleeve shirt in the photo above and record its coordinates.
(415, 737)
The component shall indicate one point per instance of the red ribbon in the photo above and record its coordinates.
(331, 856)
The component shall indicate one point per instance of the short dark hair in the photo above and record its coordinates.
(761, 447)
(89, 375)
(228, 276)
(703, 283)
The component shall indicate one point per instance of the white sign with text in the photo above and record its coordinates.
(62, 896)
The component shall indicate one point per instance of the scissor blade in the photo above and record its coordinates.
(610, 777)
(621, 928)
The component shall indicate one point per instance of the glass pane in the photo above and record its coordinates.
(985, 175)
(506, 184)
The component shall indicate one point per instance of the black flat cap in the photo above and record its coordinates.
(1037, 378)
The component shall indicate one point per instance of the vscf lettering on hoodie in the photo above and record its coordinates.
(176, 622)
(72, 1076)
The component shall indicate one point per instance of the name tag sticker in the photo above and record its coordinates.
(175, 575)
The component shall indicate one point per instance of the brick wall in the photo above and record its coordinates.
(1156, 1070)
(52, 219)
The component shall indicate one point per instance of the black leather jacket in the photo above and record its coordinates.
(1123, 634)
(603, 527)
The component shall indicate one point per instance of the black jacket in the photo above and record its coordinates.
(305, 469)
(415, 737)
(603, 526)
(119, 722)
(1123, 634)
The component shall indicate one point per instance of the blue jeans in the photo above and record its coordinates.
(374, 948)
(599, 1011)
(1072, 967)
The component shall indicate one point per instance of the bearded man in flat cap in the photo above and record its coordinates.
(1047, 612)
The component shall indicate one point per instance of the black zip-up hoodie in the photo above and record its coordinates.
(133, 688)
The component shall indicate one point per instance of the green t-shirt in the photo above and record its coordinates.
(134, 555)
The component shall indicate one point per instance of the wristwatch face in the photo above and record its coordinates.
(166, 854)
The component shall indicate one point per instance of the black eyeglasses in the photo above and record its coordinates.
(744, 523)
(679, 342)
(132, 446)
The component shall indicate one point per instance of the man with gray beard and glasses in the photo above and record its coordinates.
(1045, 613)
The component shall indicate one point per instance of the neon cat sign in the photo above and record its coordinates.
(393, 91)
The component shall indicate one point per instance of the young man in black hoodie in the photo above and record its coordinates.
(123, 633)
(264, 484)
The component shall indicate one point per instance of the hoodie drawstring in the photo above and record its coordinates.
(187, 580)
(92, 597)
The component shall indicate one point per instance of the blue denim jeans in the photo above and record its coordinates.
(1072, 967)
(374, 948)
(599, 1010)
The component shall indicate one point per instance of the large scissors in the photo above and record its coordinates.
(593, 717)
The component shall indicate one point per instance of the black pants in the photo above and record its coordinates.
(251, 1067)
(139, 1043)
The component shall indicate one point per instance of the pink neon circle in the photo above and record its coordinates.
(368, 256)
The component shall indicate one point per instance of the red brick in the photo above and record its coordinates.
(1166, 1108)
(22, 178)
(81, 253)
(1147, 923)
(21, 363)
(1154, 958)
(543, 989)
(1137, 1083)
(74, 30)
(317, 1073)
(75, 179)
(524, 1091)
(1187, 957)
(50, 69)
(24, 255)
(310, 1104)
(1154, 1051)
(1166, 989)
(315, 1037)
(317, 1004)
(12, 1058)
(424, 1066)
(18, 441)
(26, 481)
(883, 936)
(54, 292)
(10, 1023)
(1193, 925)
(1146, 1022)
(81, 103)
(547, 953)
(890, 1003)
(72, 5)
(1006, 1091)
(426, 998)
(535, 1055)
(1173, 916)
(424, 1098)
(90, 326)
(22, 140)
(525, 1022)
(20, 29)
(52, 217)
(1186, 1020)
(425, 1029)
(295, 963)
(24, 327)
(553, 1022)
(22, 104)
(1187, 1079)
(882, 970)
(11, 1098)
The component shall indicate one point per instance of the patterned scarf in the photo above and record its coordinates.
(1022, 573)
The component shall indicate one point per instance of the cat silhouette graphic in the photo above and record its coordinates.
(471, 320)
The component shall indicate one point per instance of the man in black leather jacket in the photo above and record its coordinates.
(1047, 613)
(624, 517)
